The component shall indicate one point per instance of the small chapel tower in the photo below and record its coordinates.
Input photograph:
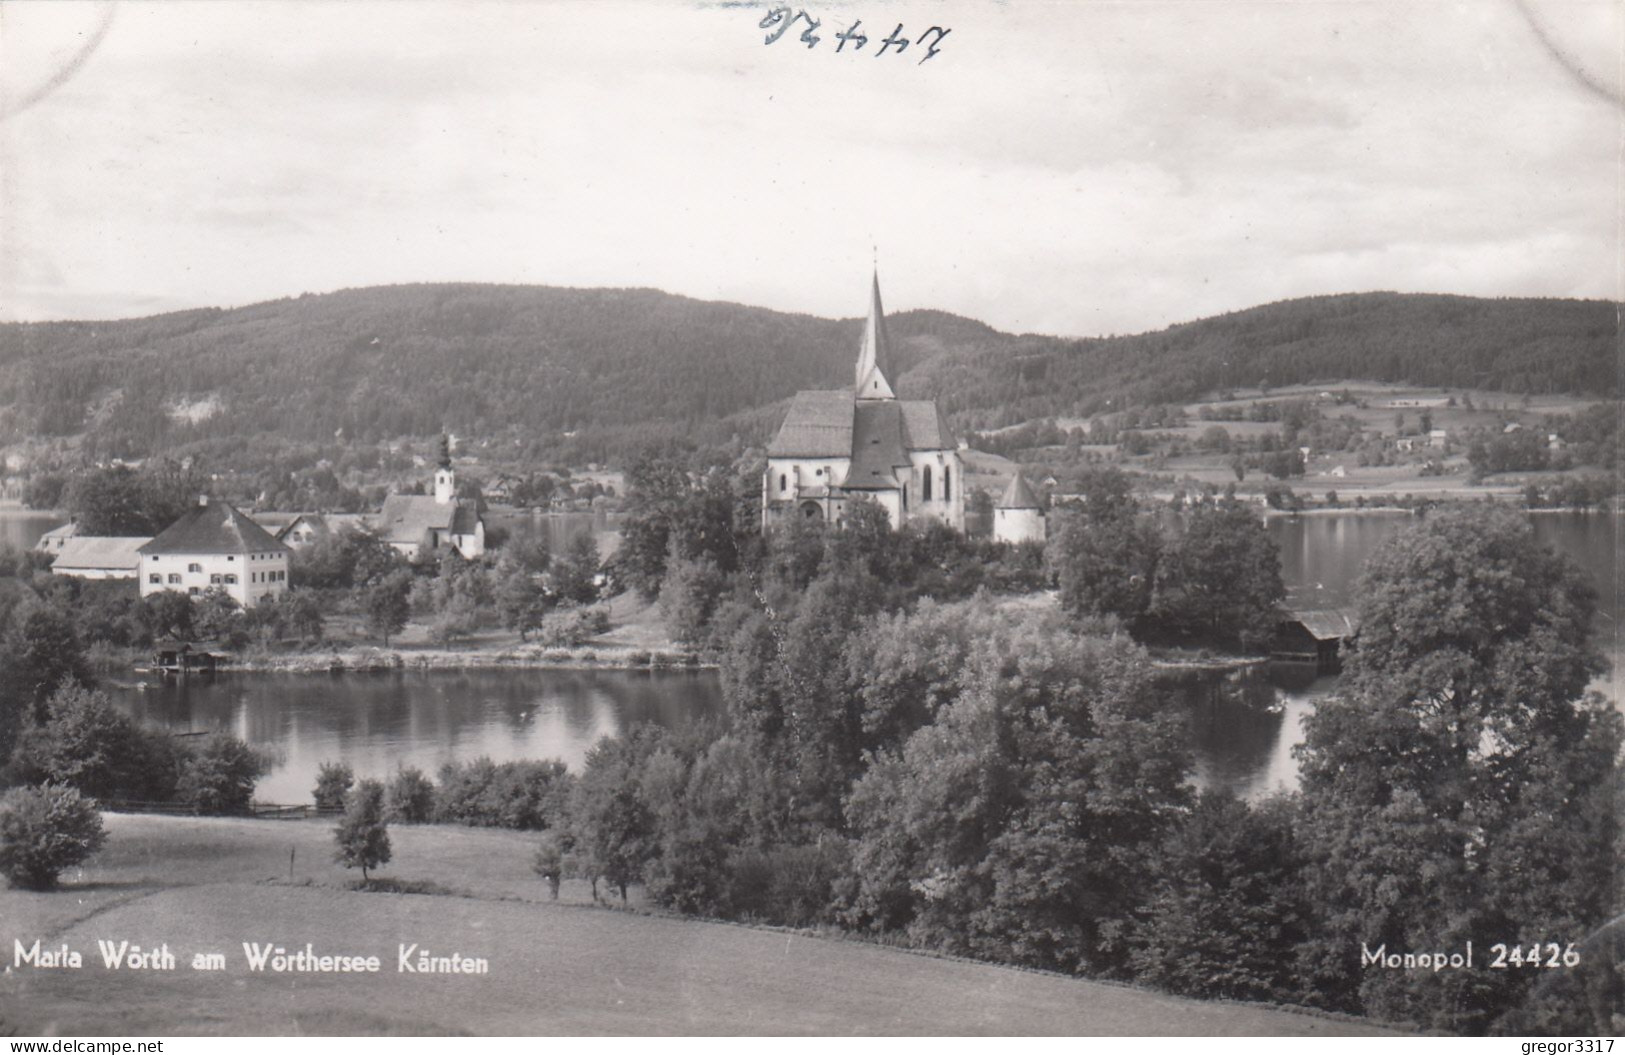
(874, 354)
(445, 481)
(1018, 516)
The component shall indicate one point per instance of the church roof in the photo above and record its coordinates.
(213, 527)
(407, 518)
(924, 428)
(818, 425)
(877, 446)
(1019, 496)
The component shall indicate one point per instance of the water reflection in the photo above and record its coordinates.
(376, 722)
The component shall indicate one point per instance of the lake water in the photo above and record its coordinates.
(1242, 730)
(378, 721)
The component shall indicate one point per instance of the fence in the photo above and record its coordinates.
(259, 810)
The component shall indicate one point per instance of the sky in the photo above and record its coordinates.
(1076, 168)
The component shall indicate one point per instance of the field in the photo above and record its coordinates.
(1377, 407)
(209, 885)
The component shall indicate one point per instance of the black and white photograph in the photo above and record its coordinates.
(739, 518)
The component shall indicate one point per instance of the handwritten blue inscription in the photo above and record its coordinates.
(782, 18)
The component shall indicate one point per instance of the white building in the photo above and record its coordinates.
(215, 547)
(865, 442)
(53, 540)
(416, 524)
(1018, 516)
(98, 557)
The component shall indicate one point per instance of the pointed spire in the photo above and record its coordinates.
(1019, 495)
(873, 379)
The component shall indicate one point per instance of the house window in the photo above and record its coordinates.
(784, 482)
(215, 580)
(174, 578)
(231, 557)
(155, 556)
(946, 495)
(231, 580)
(155, 579)
(192, 591)
(925, 492)
(194, 567)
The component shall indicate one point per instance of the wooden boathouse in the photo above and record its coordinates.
(1314, 636)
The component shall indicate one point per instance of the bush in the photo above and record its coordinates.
(640, 659)
(363, 834)
(86, 743)
(549, 861)
(333, 780)
(220, 778)
(569, 627)
(44, 830)
(526, 796)
(409, 798)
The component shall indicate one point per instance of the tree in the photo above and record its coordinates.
(86, 743)
(1019, 824)
(42, 651)
(1105, 561)
(1228, 908)
(1459, 783)
(611, 822)
(409, 797)
(521, 599)
(656, 489)
(345, 559)
(549, 861)
(689, 596)
(573, 578)
(389, 605)
(1220, 577)
(123, 501)
(170, 614)
(44, 830)
(219, 778)
(333, 782)
(362, 834)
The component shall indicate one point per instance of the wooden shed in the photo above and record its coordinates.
(1314, 635)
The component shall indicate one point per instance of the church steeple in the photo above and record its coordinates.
(874, 354)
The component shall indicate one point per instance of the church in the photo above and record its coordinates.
(864, 442)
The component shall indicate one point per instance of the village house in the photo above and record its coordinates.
(300, 530)
(1018, 516)
(864, 442)
(214, 546)
(433, 523)
(98, 556)
(53, 540)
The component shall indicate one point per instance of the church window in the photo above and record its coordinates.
(784, 482)
(925, 491)
(945, 493)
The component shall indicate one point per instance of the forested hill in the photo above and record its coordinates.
(621, 367)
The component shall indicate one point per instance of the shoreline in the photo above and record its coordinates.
(381, 660)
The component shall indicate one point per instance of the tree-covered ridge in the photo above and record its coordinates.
(607, 370)
(1519, 345)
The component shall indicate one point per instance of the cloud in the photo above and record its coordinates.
(1064, 168)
